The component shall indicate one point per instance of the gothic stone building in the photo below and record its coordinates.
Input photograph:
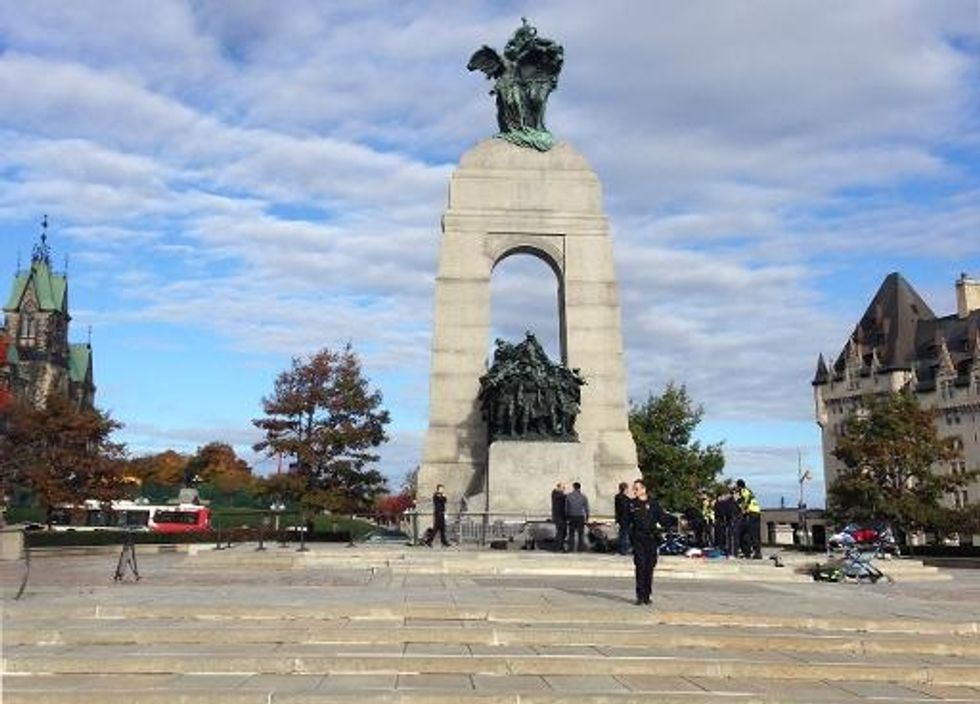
(901, 344)
(36, 359)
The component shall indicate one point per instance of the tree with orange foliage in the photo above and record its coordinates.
(323, 415)
(165, 469)
(62, 453)
(217, 464)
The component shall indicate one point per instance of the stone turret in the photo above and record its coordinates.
(967, 296)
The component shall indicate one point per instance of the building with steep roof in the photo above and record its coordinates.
(37, 360)
(900, 343)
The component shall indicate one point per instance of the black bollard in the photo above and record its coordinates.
(261, 538)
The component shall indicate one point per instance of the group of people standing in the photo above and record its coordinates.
(637, 515)
(570, 512)
(729, 521)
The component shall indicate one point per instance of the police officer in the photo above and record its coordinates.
(622, 505)
(438, 517)
(644, 515)
(726, 517)
(708, 516)
(751, 523)
(558, 515)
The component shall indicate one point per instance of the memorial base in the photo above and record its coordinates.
(523, 474)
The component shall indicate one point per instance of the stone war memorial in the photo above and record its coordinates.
(501, 439)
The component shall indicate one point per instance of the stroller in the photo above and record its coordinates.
(855, 566)
(858, 566)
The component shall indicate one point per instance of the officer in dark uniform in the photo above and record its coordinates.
(644, 515)
(622, 506)
(438, 518)
(558, 515)
(726, 515)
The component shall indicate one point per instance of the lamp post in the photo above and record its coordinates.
(277, 508)
(803, 475)
(263, 524)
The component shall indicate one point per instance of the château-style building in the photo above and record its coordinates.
(36, 359)
(899, 344)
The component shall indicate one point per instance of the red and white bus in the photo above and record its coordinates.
(132, 515)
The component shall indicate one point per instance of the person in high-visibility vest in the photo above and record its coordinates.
(708, 515)
(750, 524)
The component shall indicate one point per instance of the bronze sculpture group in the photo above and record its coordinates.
(526, 396)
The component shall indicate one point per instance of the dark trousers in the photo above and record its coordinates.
(706, 535)
(644, 560)
(438, 527)
(748, 534)
(624, 537)
(561, 531)
(725, 537)
(576, 527)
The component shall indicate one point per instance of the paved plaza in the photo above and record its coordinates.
(382, 624)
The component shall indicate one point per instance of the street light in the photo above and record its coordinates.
(277, 507)
(803, 475)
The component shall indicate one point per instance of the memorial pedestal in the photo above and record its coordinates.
(523, 474)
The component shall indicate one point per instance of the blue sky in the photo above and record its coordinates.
(238, 183)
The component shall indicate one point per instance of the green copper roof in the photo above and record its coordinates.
(51, 289)
(79, 361)
(13, 357)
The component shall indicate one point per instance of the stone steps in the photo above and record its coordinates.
(452, 615)
(455, 689)
(128, 657)
(309, 631)
(318, 660)
(189, 632)
(408, 561)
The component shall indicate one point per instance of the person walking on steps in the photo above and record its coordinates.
(438, 518)
(558, 515)
(622, 506)
(576, 513)
(645, 514)
(751, 523)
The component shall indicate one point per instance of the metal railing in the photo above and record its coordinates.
(477, 528)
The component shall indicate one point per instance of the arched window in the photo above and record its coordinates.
(525, 295)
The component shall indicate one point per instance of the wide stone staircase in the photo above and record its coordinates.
(418, 560)
(242, 628)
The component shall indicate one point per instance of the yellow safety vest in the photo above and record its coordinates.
(747, 501)
(708, 510)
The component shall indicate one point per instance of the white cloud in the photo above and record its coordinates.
(276, 176)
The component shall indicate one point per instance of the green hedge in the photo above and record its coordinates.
(232, 517)
(43, 538)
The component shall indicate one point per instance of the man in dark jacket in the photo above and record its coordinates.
(438, 518)
(576, 513)
(726, 513)
(623, 518)
(558, 515)
(645, 514)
